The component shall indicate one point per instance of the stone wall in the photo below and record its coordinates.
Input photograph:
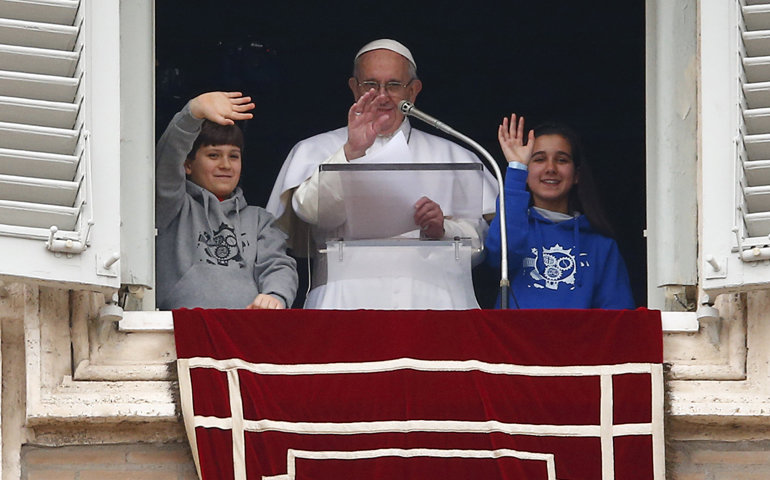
(109, 462)
(84, 401)
(714, 460)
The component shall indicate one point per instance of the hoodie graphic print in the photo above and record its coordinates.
(222, 246)
(558, 267)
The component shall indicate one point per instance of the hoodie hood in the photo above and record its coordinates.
(569, 224)
(236, 201)
(220, 211)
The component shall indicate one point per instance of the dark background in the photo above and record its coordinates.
(577, 61)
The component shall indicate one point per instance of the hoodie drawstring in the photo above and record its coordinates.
(206, 209)
(237, 226)
(576, 240)
(540, 241)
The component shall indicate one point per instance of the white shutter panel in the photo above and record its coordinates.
(60, 142)
(755, 154)
(735, 103)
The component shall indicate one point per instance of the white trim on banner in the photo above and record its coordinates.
(606, 430)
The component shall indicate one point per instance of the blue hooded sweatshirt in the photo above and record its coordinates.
(556, 265)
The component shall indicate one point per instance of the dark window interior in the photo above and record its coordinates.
(578, 61)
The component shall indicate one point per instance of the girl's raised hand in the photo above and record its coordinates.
(511, 137)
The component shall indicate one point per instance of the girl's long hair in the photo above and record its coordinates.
(583, 196)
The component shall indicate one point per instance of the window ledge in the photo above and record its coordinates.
(679, 322)
(134, 322)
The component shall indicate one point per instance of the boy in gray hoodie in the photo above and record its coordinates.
(214, 250)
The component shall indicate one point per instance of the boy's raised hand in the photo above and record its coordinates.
(221, 107)
(511, 137)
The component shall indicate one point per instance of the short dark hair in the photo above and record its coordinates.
(583, 197)
(215, 134)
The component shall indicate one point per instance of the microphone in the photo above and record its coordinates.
(408, 108)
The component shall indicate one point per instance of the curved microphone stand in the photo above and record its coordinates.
(407, 108)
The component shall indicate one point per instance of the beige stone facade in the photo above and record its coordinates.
(83, 400)
(109, 462)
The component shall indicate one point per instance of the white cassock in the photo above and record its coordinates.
(393, 278)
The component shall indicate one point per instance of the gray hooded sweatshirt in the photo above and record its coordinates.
(212, 254)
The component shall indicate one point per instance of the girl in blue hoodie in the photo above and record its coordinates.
(560, 254)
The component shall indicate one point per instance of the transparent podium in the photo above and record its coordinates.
(371, 255)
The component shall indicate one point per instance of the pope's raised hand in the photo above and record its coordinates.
(511, 138)
(365, 122)
(222, 107)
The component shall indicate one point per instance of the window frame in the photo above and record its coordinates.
(672, 107)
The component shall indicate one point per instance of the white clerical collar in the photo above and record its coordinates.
(383, 140)
(405, 127)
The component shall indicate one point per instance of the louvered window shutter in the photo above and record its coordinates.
(735, 100)
(60, 142)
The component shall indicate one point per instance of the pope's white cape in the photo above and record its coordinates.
(304, 158)
(380, 291)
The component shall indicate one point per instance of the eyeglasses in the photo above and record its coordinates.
(392, 88)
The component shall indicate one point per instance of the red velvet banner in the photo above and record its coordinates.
(567, 394)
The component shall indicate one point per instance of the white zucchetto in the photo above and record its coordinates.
(388, 44)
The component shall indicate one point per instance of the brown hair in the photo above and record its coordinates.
(215, 134)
